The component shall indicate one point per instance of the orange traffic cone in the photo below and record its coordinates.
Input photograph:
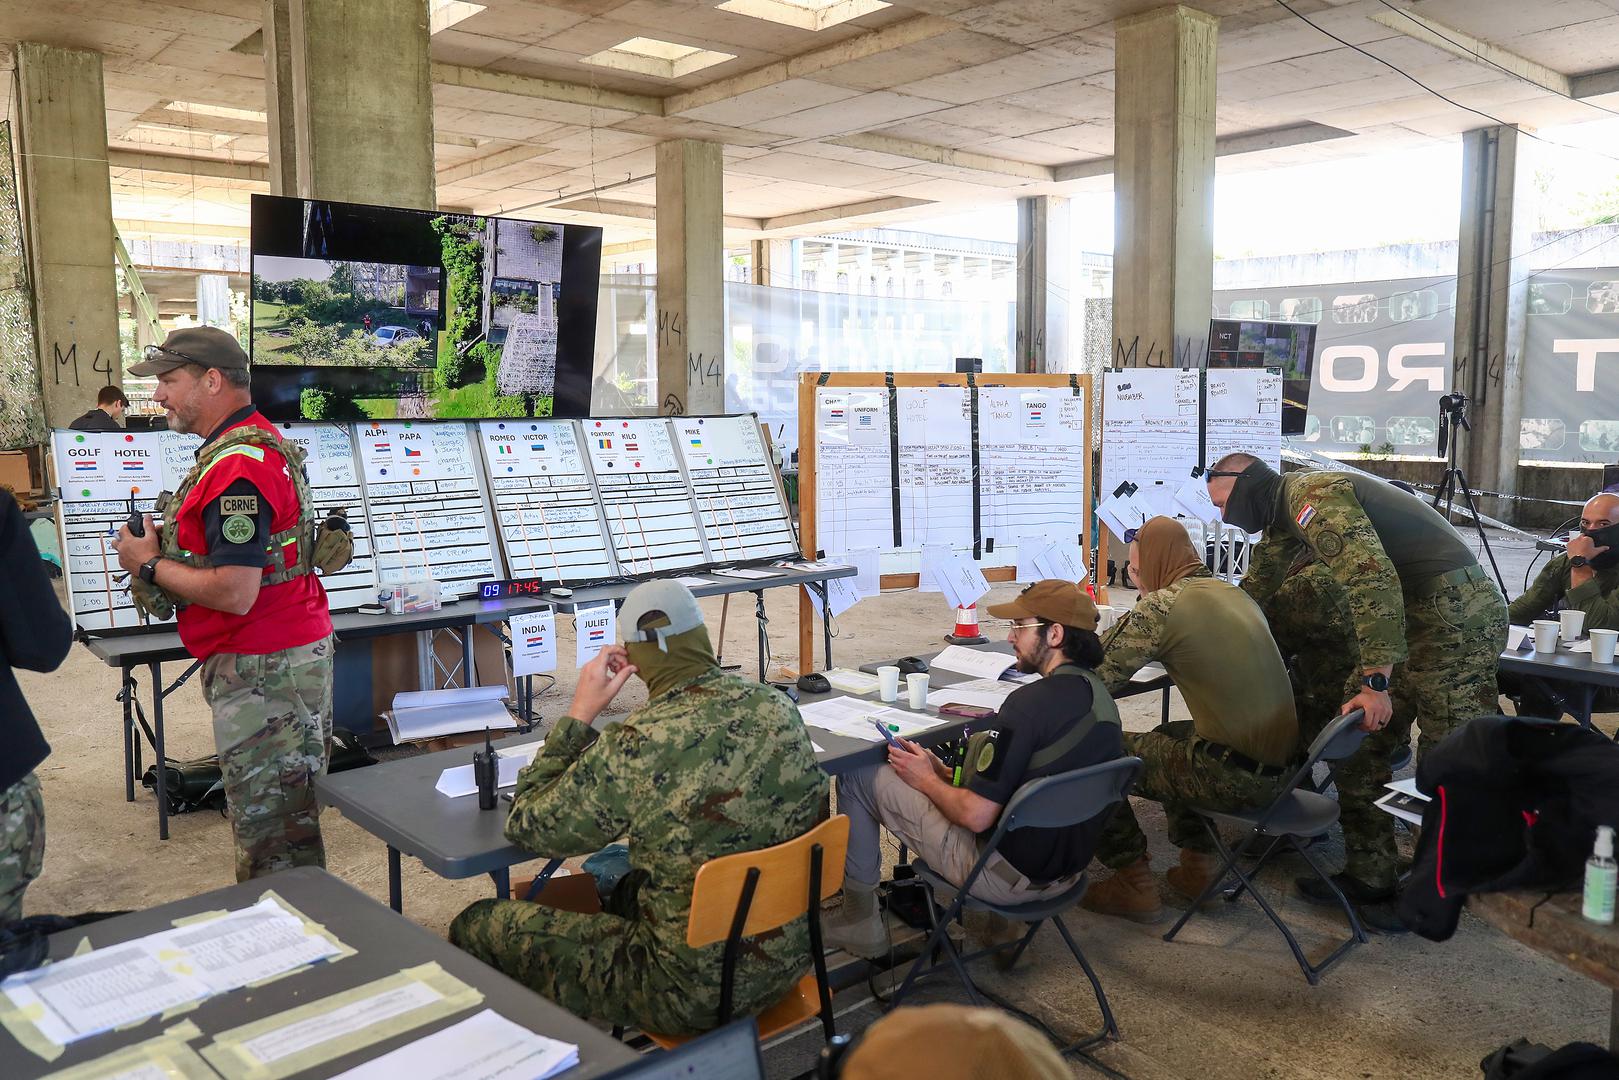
(966, 627)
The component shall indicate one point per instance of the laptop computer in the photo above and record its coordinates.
(727, 1053)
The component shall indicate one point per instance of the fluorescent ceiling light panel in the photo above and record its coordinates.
(660, 59)
(804, 14)
(195, 108)
(443, 14)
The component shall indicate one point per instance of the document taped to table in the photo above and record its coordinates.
(485, 1046)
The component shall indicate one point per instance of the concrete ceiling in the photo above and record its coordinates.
(912, 110)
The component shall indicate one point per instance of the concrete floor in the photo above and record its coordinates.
(1223, 1001)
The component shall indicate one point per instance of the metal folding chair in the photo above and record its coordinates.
(1051, 802)
(1295, 815)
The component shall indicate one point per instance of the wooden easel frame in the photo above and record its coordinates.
(810, 381)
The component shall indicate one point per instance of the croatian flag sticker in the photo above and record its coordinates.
(1305, 515)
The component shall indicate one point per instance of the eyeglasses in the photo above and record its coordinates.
(1130, 535)
(157, 352)
(1210, 474)
(1010, 625)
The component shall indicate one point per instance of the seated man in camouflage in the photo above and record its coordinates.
(1585, 578)
(1242, 739)
(712, 765)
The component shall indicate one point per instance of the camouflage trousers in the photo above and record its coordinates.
(615, 970)
(1177, 774)
(22, 843)
(273, 731)
(1454, 640)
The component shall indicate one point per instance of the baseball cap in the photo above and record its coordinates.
(205, 346)
(1052, 600)
(953, 1040)
(670, 599)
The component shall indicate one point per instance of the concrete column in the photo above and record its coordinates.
(1492, 300)
(1044, 284)
(775, 262)
(1163, 245)
(691, 287)
(350, 99)
(66, 202)
(278, 82)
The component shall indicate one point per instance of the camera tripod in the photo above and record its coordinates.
(1453, 415)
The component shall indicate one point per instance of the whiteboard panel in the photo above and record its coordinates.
(549, 521)
(738, 500)
(1149, 431)
(854, 501)
(935, 466)
(1032, 462)
(334, 483)
(651, 519)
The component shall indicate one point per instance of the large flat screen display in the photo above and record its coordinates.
(1235, 343)
(373, 312)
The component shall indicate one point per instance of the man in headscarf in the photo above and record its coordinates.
(712, 765)
(1429, 623)
(1241, 741)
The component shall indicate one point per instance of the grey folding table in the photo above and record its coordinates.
(1565, 668)
(384, 944)
(154, 648)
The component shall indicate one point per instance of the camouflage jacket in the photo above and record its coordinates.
(1323, 517)
(718, 766)
(1598, 598)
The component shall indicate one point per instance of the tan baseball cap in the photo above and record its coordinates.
(1052, 600)
(953, 1040)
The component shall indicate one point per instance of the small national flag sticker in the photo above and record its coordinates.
(1305, 516)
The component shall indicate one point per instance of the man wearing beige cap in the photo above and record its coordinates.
(1064, 721)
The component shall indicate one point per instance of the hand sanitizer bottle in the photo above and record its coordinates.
(1601, 875)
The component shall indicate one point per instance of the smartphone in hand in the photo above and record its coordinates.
(882, 729)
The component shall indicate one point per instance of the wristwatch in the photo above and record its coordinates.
(1578, 560)
(1377, 681)
(148, 570)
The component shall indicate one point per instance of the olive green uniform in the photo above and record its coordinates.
(1598, 598)
(1415, 597)
(1243, 736)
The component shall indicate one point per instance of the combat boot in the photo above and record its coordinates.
(857, 927)
(1194, 873)
(1131, 893)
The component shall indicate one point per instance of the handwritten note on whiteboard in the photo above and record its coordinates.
(935, 466)
(1244, 413)
(854, 505)
(1032, 458)
(1149, 431)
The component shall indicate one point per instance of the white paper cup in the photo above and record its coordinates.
(1106, 617)
(888, 677)
(1602, 645)
(1545, 638)
(1572, 621)
(916, 686)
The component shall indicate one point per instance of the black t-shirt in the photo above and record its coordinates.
(237, 525)
(1031, 719)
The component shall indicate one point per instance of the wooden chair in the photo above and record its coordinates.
(751, 892)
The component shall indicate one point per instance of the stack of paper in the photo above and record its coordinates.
(486, 1046)
(851, 681)
(427, 714)
(987, 693)
(1404, 801)
(106, 988)
(458, 780)
(979, 664)
(852, 717)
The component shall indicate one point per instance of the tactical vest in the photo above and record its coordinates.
(981, 746)
(335, 544)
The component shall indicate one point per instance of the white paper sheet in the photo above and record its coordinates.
(960, 579)
(105, 988)
(534, 643)
(1192, 500)
(693, 582)
(408, 724)
(1122, 513)
(594, 629)
(1029, 550)
(458, 695)
(840, 592)
(486, 1046)
(851, 681)
(1063, 561)
(458, 780)
(283, 1042)
(1583, 646)
(1519, 636)
(853, 717)
(746, 574)
(980, 664)
(868, 578)
(988, 693)
(927, 580)
(1149, 672)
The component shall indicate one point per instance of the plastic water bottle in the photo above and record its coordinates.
(1601, 875)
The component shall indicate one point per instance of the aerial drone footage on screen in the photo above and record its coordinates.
(371, 312)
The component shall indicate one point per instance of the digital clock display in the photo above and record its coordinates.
(511, 588)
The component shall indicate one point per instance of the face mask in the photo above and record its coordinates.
(1608, 537)
(1252, 504)
(684, 659)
